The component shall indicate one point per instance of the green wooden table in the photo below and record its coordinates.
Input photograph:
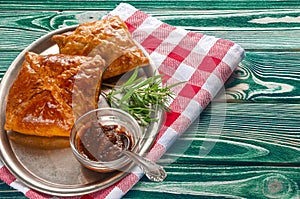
(253, 125)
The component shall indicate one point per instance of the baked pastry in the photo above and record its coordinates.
(108, 38)
(51, 91)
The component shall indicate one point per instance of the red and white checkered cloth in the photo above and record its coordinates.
(203, 62)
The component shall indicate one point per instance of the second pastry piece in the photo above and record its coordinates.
(108, 38)
(51, 91)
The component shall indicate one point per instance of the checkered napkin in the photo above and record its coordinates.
(203, 62)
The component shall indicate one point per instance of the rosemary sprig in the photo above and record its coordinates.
(140, 97)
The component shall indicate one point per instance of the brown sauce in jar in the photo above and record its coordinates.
(103, 142)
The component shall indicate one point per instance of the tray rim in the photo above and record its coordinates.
(11, 161)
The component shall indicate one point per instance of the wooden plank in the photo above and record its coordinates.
(161, 5)
(266, 40)
(266, 77)
(8, 192)
(279, 30)
(200, 181)
(42, 21)
(232, 19)
(272, 19)
(241, 134)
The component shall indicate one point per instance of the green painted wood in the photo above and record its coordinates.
(255, 30)
(201, 181)
(248, 147)
(7, 192)
(173, 5)
(241, 134)
(266, 77)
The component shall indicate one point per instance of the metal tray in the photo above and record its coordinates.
(47, 164)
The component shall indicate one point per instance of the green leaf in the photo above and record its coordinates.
(132, 78)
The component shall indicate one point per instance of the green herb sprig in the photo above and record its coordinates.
(141, 97)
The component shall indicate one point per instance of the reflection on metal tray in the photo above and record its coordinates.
(47, 164)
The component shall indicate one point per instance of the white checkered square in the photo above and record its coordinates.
(19, 186)
(205, 44)
(168, 137)
(126, 10)
(233, 56)
(213, 84)
(146, 28)
(176, 36)
(115, 193)
(137, 171)
(192, 110)
(157, 58)
(184, 72)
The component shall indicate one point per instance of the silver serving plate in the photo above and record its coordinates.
(47, 164)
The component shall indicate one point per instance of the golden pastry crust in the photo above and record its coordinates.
(108, 38)
(51, 91)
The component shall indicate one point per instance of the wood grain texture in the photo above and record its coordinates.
(266, 77)
(238, 26)
(201, 181)
(7, 192)
(241, 134)
(248, 147)
(162, 4)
